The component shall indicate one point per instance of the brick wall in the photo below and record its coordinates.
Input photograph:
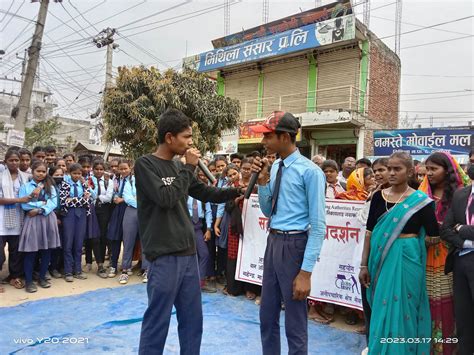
(384, 85)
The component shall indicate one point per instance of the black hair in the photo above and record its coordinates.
(450, 185)
(292, 136)
(380, 161)
(212, 162)
(38, 149)
(254, 154)
(246, 161)
(13, 147)
(126, 161)
(84, 159)
(236, 156)
(53, 169)
(49, 149)
(75, 167)
(220, 158)
(405, 157)
(24, 151)
(59, 159)
(48, 181)
(69, 155)
(98, 162)
(172, 121)
(364, 161)
(9, 153)
(329, 164)
(229, 167)
(367, 172)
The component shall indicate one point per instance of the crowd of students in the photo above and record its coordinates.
(54, 209)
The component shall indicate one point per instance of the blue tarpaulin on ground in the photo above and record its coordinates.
(109, 321)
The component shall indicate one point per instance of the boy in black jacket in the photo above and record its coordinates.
(167, 235)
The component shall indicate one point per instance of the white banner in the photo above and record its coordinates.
(335, 276)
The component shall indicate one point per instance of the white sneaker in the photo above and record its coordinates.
(145, 277)
(123, 279)
(129, 272)
(112, 272)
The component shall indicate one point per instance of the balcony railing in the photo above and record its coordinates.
(340, 97)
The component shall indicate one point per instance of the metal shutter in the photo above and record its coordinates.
(338, 79)
(285, 86)
(243, 86)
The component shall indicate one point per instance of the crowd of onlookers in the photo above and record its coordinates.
(56, 209)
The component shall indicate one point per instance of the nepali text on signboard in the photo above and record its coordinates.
(306, 37)
(323, 13)
(335, 275)
(423, 141)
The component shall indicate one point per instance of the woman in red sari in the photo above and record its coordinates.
(443, 177)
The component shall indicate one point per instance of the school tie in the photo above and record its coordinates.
(276, 191)
(98, 188)
(75, 190)
(195, 212)
(471, 209)
(77, 211)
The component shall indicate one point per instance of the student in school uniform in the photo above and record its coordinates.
(50, 158)
(91, 241)
(25, 161)
(11, 216)
(40, 229)
(75, 203)
(104, 191)
(130, 224)
(56, 264)
(70, 159)
(201, 216)
(115, 230)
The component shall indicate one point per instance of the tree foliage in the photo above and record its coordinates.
(41, 134)
(132, 108)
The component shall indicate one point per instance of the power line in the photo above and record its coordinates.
(9, 8)
(76, 22)
(155, 13)
(438, 97)
(151, 55)
(80, 14)
(196, 14)
(14, 15)
(440, 76)
(431, 26)
(447, 40)
(22, 32)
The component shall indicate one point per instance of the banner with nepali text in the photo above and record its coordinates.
(335, 276)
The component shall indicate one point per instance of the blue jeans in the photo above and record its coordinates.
(172, 280)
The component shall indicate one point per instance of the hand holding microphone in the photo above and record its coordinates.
(192, 156)
(260, 174)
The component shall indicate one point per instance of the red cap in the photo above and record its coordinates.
(278, 121)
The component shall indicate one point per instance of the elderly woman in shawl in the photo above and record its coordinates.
(359, 185)
(393, 264)
(443, 177)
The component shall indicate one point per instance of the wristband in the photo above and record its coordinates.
(363, 267)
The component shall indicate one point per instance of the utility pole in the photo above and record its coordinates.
(106, 38)
(33, 58)
(23, 66)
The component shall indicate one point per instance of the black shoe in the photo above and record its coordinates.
(44, 283)
(56, 274)
(102, 273)
(31, 288)
(36, 275)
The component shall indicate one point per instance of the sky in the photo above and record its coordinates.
(437, 79)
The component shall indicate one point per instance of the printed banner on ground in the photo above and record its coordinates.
(335, 276)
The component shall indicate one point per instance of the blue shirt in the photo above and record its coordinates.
(202, 214)
(221, 206)
(130, 192)
(80, 190)
(48, 206)
(301, 202)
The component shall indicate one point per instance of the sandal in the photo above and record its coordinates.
(17, 283)
(319, 310)
(250, 295)
(320, 319)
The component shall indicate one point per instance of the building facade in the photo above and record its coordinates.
(342, 82)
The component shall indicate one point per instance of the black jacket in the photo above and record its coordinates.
(456, 215)
(164, 223)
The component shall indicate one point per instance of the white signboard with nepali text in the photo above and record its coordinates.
(335, 276)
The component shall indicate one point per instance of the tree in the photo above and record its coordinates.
(41, 133)
(132, 108)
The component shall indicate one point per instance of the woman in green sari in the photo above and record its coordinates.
(393, 267)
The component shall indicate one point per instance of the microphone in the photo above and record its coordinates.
(206, 171)
(252, 182)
